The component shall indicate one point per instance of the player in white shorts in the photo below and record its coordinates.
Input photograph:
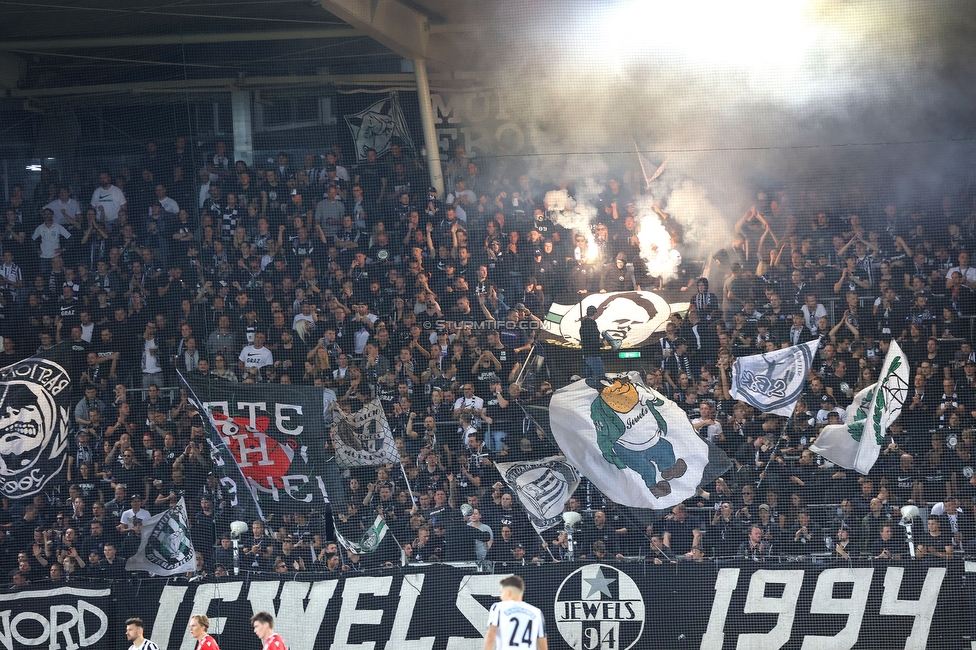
(513, 624)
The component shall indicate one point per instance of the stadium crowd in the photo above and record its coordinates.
(357, 277)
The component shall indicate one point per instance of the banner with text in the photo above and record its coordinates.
(276, 434)
(587, 607)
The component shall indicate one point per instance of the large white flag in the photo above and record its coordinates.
(633, 443)
(773, 381)
(364, 437)
(165, 548)
(836, 442)
(542, 486)
(856, 444)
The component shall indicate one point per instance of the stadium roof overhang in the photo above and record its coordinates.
(51, 48)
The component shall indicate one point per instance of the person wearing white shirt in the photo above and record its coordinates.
(169, 205)
(514, 624)
(341, 172)
(66, 209)
(967, 272)
(705, 424)
(255, 356)
(812, 312)
(10, 275)
(468, 402)
(134, 635)
(107, 199)
(48, 236)
(152, 371)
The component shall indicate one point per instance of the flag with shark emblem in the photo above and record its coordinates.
(369, 541)
(363, 438)
(856, 444)
(773, 382)
(165, 548)
(542, 486)
(379, 126)
(629, 440)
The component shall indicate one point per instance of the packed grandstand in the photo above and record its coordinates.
(355, 277)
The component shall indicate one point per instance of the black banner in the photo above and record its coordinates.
(587, 607)
(276, 434)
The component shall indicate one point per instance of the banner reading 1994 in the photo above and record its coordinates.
(587, 607)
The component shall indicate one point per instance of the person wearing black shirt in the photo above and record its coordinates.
(934, 543)
(681, 532)
(590, 341)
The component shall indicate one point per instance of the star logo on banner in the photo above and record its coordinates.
(599, 584)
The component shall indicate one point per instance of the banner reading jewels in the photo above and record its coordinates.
(587, 607)
(276, 434)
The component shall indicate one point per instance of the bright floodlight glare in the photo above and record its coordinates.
(571, 518)
(759, 34)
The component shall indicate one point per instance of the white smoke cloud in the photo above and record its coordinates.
(820, 95)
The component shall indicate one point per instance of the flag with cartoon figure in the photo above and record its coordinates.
(633, 443)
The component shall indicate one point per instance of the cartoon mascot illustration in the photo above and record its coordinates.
(631, 432)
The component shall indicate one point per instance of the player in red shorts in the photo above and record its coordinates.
(263, 624)
(199, 624)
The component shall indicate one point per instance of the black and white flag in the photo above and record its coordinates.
(363, 438)
(772, 382)
(379, 126)
(35, 398)
(542, 486)
(165, 548)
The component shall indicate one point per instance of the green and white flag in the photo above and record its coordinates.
(629, 440)
(837, 442)
(370, 540)
(165, 548)
(856, 444)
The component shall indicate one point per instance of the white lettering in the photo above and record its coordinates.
(853, 607)
(439, 108)
(784, 607)
(53, 628)
(293, 621)
(251, 408)
(83, 638)
(205, 594)
(725, 584)
(261, 449)
(922, 609)
(63, 628)
(271, 490)
(281, 419)
(475, 612)
(410, 590)
(293, 483)
(349, 615)
(30, 616)
(169, 604)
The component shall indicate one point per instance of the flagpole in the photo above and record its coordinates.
(545, 546)
(407, 481)
(779, 439)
